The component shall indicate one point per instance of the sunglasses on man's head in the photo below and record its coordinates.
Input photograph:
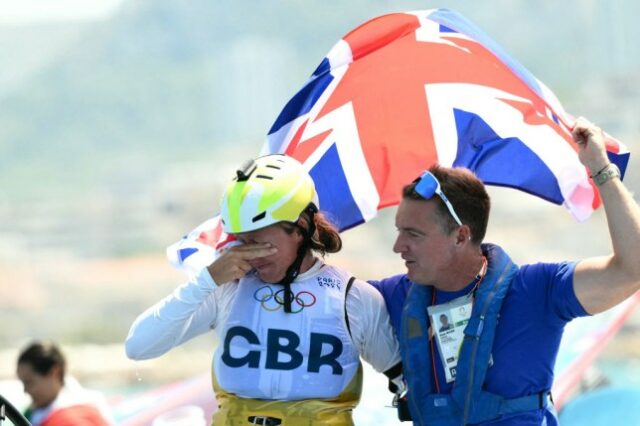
(427, 186)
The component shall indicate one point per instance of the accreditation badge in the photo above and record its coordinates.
(448, 321)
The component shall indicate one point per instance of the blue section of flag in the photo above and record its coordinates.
(186, 252)
(304, 100)
(620, 160)
(324, 67)
(503, 162)
(445, 29)
(334, 192)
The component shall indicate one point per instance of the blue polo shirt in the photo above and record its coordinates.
(538, 304)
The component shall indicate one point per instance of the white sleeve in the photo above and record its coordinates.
(191, 310)
(371, 329)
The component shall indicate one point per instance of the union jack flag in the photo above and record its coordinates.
(406, 90)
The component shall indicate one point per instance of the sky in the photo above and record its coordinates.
(26, 12)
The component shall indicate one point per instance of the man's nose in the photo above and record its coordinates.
(398, 245)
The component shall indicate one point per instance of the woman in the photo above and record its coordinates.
(56, 399)
(292, 328)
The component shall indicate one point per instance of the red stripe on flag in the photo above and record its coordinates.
(379, 32)
(295, 140)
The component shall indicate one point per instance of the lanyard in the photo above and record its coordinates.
(475, 284)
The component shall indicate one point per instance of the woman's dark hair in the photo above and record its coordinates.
(43, 357)
(325, 240)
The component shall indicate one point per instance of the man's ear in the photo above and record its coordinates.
(56, 372)
(463, 235)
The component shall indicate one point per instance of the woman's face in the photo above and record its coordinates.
(272, 268)
(42, 389)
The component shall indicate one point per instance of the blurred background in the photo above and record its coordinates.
(121, 120)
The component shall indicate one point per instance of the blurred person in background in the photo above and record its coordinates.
(292, 328)
(57, 399)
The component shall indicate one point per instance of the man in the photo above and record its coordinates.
(56, 398)
(496, 372)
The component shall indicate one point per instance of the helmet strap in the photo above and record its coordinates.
(294, 269)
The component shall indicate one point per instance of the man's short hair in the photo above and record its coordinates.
(42, 357)
(466, 193)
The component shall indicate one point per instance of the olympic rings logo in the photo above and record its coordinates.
(272, 301)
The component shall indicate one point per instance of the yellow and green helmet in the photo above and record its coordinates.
(267, 190)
